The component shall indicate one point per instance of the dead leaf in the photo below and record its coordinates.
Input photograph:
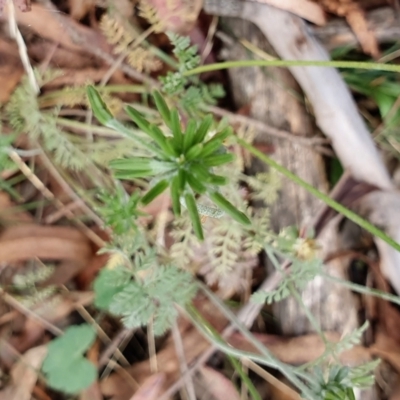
(387, 349)
(93, 392)
(179, 16)
(151, 388)
(59, 28)
(11, 69)
(79, 8)
(218, 385)
(116, 385)
(8, 211)
(33, 331)
(303, 8)
(24, 375)
(24, 242)
(395, 395)
(358, 23)
(301, 349)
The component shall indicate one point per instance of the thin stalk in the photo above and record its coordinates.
(364, 290)
(322, 196)
(289, 372)
(104, 89)
(298, 298)
(245, 378)
(269, 361)
(292, 63)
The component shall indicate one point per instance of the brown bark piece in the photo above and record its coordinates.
(336, 33)
(276, 100)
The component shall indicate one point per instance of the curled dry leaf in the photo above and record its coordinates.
(59, 28)
(8, 212)
(24, 375)
(11, 69)
(151, 388)
(353, 12)
(79, 8)
(387, 349)
(48, 242)
(218, 385)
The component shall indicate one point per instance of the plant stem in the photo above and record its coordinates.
(364, 290)
(297, 296)
(322, 196)
(267, 358)
(292, 63)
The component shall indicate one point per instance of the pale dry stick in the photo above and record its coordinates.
(269, 130)
(209, 39)
(29, 313)
(46, 61)
(289, 392)
(388, 116)
(23, 53)
(152, 348)
(180, 352)
(247, 314)
(55, 216)
(50, 196)
(107, 354)
(123, 372)
(61, 181)
(100, 332)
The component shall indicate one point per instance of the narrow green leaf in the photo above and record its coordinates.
(194, 215)
(189, 135)
(322, 196)
(200, 172)
(203, 128)
(172, 147)
(195, 184)
(134, 174)
(350, 394)
(220, 159)
(154, 192)
(162, 107)
(210, 147)
(138, 119)
(137, 163)
(175, 195)
(99, 107)
(222, 135)
(216, 142)
(165, 143)
(194, 152)
(229, 208)
(176, 130)
(218, 180)
(182, 179)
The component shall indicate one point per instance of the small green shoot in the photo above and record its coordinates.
(182, 162)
